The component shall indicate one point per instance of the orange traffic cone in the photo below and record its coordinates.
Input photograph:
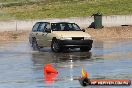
(48, 69)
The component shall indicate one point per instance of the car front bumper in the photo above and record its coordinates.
(76, 43)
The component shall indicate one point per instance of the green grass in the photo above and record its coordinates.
(40, 9)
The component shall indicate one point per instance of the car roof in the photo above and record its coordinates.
(55, 22)
(42, 22)
(61, 22)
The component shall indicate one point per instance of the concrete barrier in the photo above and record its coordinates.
(83, 22)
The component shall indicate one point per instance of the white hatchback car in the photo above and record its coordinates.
(59, 36)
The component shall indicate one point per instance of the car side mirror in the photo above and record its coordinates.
(48, 30)
(83, 30)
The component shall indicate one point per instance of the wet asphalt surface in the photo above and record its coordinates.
(21, 67)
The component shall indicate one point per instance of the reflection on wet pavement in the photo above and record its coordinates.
(21, 67)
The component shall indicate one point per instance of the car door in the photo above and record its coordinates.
(48, 35)
(43, 37)
(40, 34)
(34, 32)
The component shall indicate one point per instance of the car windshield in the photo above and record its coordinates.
(65, 27)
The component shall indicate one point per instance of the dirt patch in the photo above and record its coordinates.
(109, 33)
(14, 35)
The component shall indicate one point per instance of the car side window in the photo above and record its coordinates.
(35, 27)
(41, 27)
(47, 26)
(55, 27)
(62, 26)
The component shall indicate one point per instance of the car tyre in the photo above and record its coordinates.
(35, 45)
(55, 46)
(85, 81)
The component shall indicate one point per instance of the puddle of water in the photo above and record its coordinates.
(20, 67)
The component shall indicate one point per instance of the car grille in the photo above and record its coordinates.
(77, 38)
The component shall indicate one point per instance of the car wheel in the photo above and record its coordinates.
(85, 49)
(85, 81)
(35, 45)
(55, 46)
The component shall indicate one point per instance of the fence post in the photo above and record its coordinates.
(16, 25)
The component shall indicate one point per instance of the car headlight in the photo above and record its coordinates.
(66, 38)
(87, 38)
